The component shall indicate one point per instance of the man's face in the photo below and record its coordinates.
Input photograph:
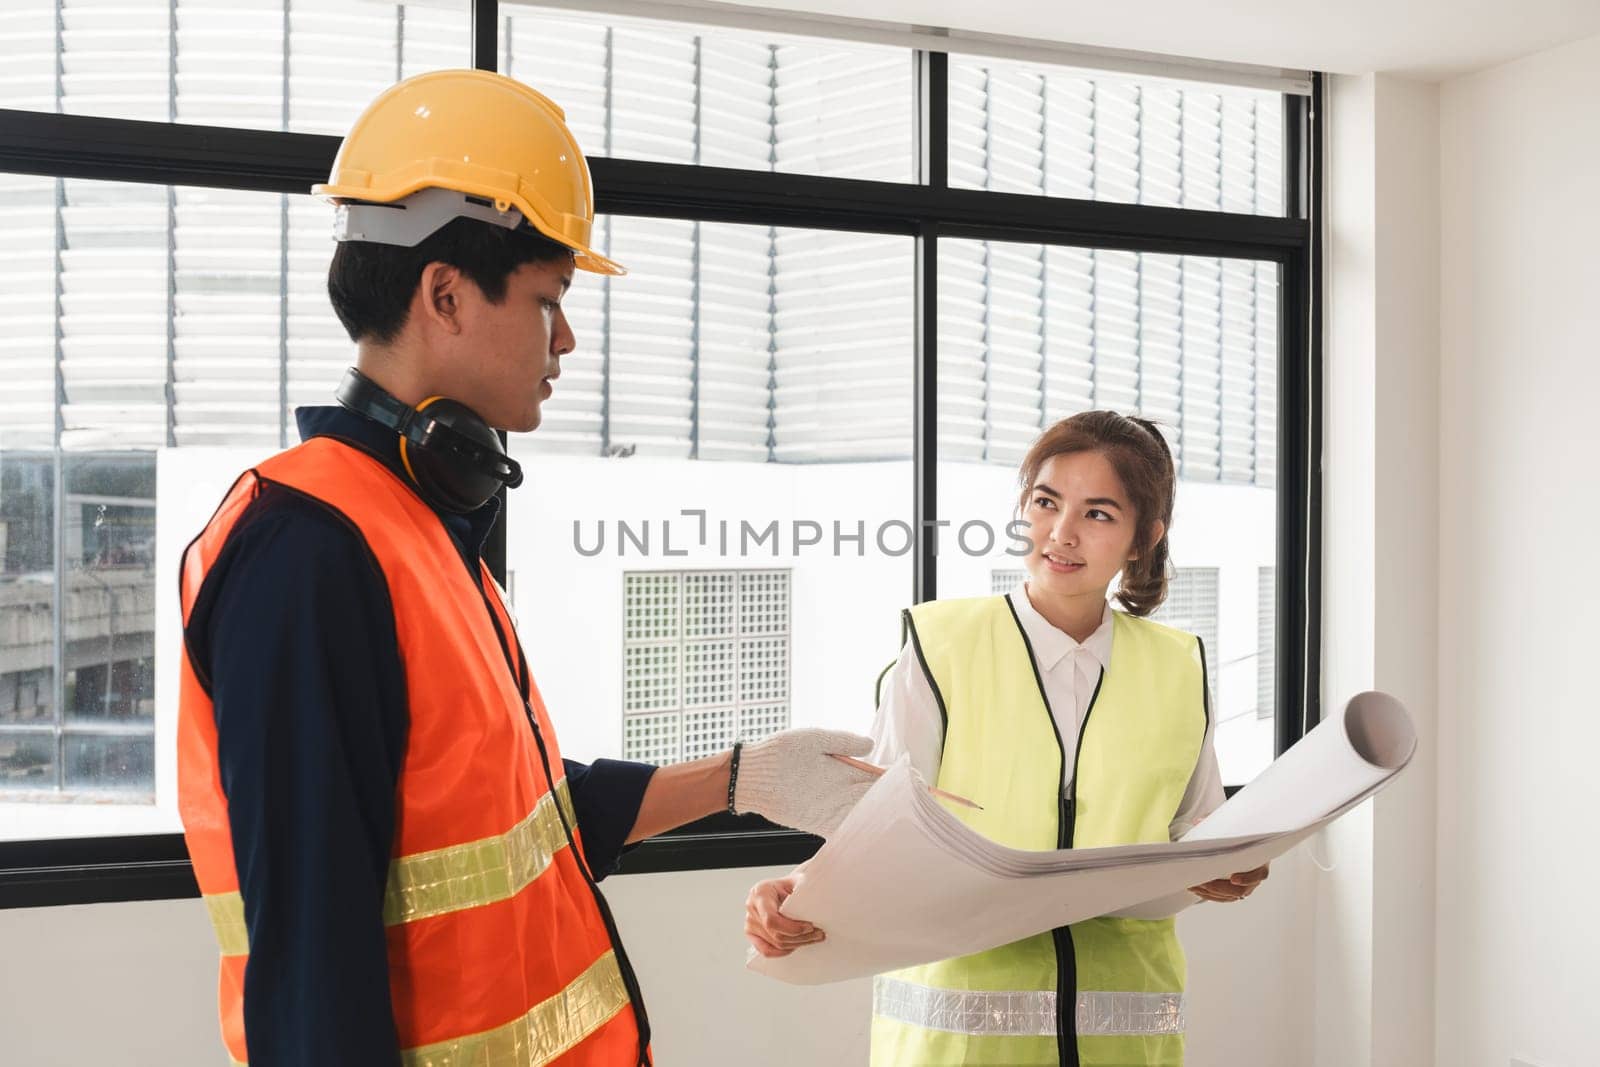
(506, 357)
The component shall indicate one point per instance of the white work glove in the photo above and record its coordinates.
(791, 780)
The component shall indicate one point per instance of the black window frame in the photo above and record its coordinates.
(155, 867)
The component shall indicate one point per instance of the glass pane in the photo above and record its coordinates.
(125, 764)
(27, 761)
(29, 241)
(156, 328)
(737, 343)
(27, 695)
(1031, 334)
(1063, 132)
(1191, 606)
(27, 589)
(110, 539)
(178, 322)
(738, 372)
(643, 89)
(1266, 641)
(263, 64)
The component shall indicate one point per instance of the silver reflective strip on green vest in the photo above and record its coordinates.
(1025, 1013)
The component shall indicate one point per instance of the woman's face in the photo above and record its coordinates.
(1080, 524)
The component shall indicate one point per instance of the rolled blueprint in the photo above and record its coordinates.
(904, 881)
(1350, 755)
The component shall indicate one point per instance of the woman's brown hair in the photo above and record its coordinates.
(1139, 454)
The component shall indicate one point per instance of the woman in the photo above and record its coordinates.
(1074, 725)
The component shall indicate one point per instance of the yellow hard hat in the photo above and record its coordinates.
(501, 149)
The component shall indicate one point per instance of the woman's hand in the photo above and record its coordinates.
(774, 934)
(1235, 887)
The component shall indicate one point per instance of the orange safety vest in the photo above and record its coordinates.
(500, 948)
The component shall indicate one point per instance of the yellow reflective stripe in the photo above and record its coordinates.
(479, 872)
(548, 1030)
(425, 884)
(227, 919)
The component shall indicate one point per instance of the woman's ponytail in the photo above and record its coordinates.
(1143, 588)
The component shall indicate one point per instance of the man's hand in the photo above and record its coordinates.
(1235, 887)
(791, 779)
(774, 934)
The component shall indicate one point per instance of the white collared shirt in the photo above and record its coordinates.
(909, 720)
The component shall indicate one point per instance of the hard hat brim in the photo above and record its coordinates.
(593, 262)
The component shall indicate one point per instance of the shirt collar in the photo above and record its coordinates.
(469, 531)
(1050, 645)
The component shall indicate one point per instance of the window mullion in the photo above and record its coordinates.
(485, 33)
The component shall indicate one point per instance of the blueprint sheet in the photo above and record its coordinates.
(904, 881)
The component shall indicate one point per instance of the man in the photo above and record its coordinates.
(399, 864)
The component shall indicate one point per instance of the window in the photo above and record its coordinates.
(79, 607)
(647, 89)
(738, 343)
(1030, 129)
(186, 315)
(1266, 638)
(706, 661)
(739, 400)
(1031, 334)
(1191, 606)
(800, 412)
(261, 64)
(159, 338)
(1002, 582)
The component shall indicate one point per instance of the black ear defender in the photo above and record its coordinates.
(454, 458)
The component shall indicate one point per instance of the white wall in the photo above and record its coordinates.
(1405, 627)
(134, 984)
(1344, 919)
(1374, 931)
(1518, 583)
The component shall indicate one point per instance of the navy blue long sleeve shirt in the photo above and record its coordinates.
(293, 637)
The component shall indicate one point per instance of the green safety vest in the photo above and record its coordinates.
(1094, 994)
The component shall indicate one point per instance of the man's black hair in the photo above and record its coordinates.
(371, 285)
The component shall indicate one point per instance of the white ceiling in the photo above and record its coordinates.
(1433, 39)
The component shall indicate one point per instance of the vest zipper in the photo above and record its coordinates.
(1066, 989)
(1067, 961)
(630, 980)
(1071, 801)
(1066, 816)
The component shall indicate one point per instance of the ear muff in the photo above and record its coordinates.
(455, 460)
(448, 476)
